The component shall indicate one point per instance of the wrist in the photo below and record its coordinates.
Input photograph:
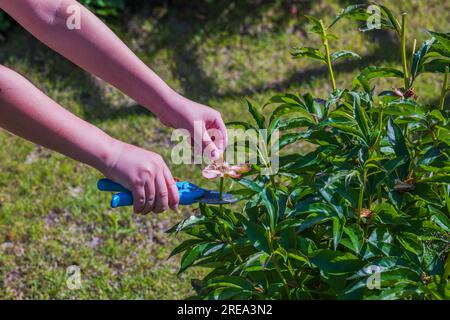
(108, 156)
(169, 103)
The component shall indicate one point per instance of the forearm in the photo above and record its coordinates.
(95, 48)
(28, 113)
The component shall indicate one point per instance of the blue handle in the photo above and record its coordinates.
(109, 185)
(122, 199)
(189, 193)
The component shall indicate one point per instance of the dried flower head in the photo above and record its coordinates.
(407, 185)
(366, 213)
(222, 169)
(405, 94)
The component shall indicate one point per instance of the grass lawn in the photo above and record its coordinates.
(51, 215)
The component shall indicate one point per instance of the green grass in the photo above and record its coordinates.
(51, 215)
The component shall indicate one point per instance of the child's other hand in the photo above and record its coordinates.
(146, 175)
(185, 114)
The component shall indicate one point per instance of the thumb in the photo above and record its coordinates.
(209, 146)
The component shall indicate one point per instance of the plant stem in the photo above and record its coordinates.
(330, 67)
(446, 198)
(444, 90)
(361, 196)
(404, 61)
(447, 267)
(286, 285)
(220, 188)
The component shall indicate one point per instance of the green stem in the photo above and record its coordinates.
(404, 61)
(277, 267)
(446, 198)
(330, 66)
(286, 285)
(361, 196)
(444, 90)
(447, 267)
(220, 188)
(233, 247)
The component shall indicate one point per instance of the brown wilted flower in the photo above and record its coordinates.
(425, 278)
(407, 185)
(366, 213)
(222, 169)
(405, 94)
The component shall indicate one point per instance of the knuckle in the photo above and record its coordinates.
(138, 183)
(163, 194)
(147, 171)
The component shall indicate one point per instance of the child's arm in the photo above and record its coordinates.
(27, 112)
(95, 48)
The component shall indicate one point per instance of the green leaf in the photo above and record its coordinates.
(360, 13)
(245, 125)
(341, 54)
(436, 178)
(297, 109)
(259, 118)
(250, 184)
(313, 106)
(355, 12)
(192, 255)
(184, 246)
(443, 38)
(317, 26)
(393, 21)
(271, 203)
(336, 262)
(419, 57)
(290, 138)
(440, 219)
(397, 139)
(361, 117)
(306, 52)
(338, 230)
(285, 98)
(313, 219)
(410, 242)
(230, 282)
(187, 223)
(405, 108)
(292, 124)
(356, 235)
(437, 65)
(257, 236)
(373, 72)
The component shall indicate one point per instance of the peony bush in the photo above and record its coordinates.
(364, 215)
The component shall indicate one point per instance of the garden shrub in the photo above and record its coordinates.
(364, 215)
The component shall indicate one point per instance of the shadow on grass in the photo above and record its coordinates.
(178, 26)
(180, 30)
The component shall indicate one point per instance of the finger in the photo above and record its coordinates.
(174, 196)
(149, 195)
(222, 142)
(138, 197)
(162, 195)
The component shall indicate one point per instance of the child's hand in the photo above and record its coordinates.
(147, 176)
(184, 114)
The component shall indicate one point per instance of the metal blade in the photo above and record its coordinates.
(212, 197)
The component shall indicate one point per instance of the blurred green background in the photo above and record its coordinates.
(216, 52)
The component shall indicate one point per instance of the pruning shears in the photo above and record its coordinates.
(189, 194)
